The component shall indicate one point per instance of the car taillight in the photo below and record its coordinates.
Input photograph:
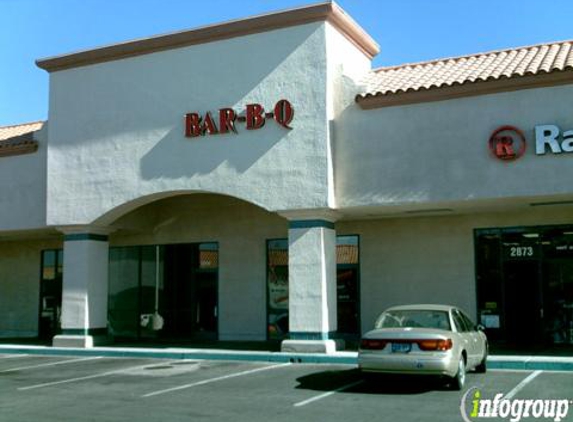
(373, 344)
(438, 345)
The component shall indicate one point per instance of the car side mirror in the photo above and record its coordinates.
(480, 327)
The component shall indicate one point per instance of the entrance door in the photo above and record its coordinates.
(190, 291)
(523, 303)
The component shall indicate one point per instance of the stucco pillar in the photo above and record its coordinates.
(85, 289)
(312, 286)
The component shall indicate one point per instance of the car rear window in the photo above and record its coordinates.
(414, 319)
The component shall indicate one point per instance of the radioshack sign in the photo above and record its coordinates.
(227, 120)
(509, 143)
(549, 138)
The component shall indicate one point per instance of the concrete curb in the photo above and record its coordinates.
(346, 358)
(531, 363)
(527, 363)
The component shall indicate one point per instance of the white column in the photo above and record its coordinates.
(85, 289)
(312, 286)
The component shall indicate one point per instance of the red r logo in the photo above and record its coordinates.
(507, 143)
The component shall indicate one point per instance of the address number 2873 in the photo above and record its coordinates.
(521, 251)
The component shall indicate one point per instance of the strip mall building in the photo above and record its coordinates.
(258, 180)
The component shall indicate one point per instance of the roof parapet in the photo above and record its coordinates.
(328, 11)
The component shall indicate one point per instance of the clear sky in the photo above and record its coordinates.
(407, 31)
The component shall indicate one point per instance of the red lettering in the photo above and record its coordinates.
(209, 124)
(504, 147)
(227, 118)
(193, 125)
(255, 116)
(284, 113)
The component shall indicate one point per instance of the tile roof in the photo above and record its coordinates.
(19, 139)
(502, 66)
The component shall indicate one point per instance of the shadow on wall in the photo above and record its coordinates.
(175, 157)
(146, 94)
(126, 124)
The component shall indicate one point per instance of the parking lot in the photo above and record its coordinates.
(64, 388)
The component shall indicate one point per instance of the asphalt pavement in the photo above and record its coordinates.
(104, 388)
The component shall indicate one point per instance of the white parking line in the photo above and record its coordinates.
(327, 394)
(87, 377)
(210, 380)
(12, 356)
(60, 362)
(522, 384)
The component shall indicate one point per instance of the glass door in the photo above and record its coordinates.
(164, 292)
(524, 304)
(190, 296)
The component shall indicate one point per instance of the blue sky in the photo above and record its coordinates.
(407, 31)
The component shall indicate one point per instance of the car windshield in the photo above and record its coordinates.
(417, 318)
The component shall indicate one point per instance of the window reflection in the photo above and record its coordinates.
(347, 270)
(166, 291)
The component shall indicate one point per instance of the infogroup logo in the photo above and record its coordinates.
(474, 408)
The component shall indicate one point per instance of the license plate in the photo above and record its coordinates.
(401, 347)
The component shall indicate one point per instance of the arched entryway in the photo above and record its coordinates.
(194, 266)
(183, 267)
(197, 265)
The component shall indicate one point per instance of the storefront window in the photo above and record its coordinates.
(152, 286)
(277, 285)
(489, 281)
(207, 290)
(50, 293)
(208, 256)
(347, 284)
(347, 273)
(124, 291)
(525, 284)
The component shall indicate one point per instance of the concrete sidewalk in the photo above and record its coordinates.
(548, 363)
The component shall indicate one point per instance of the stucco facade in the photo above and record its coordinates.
(23, 183)
(131, 111)
(340, 213)
(447, 141)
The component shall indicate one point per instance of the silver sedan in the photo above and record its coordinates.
(426, 340)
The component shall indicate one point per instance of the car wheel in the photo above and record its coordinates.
(482, 367)
(458, 381)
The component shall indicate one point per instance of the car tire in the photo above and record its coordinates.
(458, 381)
(482, 367)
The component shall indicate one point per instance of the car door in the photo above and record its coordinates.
(467, 336)
(477, 337)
